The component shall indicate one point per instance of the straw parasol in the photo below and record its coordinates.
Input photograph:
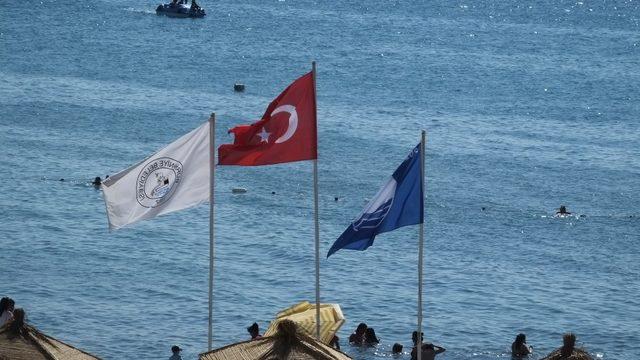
(568, 350)
(19, 341)
(288, 343)
(304, 314)
(577, 354)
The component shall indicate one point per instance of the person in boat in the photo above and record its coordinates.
(562, 211)
(519, 347)
(357, 338)
(429, 351)
(370, 338)
(194, 6)
(6, 310)
(254, 331)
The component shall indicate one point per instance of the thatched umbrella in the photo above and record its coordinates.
(568, 351)
(304, 314)
(19, 341)
(577, 354)
(288, 343)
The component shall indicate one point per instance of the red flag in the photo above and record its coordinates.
(287, 131)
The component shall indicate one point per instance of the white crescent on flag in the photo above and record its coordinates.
(293, 121)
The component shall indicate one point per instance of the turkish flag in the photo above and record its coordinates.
(287, 131)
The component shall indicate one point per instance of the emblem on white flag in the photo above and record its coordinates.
(157, 181)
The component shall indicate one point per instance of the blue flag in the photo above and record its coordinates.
(399, 203)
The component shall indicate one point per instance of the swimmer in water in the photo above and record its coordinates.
(519, 347)
(357, 338)
(562, 211)
(97, 181)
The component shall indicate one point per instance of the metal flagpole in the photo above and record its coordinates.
(421, 248)
(315, 206)
(212, 172)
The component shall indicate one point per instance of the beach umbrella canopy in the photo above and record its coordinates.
(19, 341)
(304, 314)
(288, 343)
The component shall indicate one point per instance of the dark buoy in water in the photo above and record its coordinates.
(238, 87)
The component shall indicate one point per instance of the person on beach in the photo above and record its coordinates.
(254, 331)
(370, 338)
(175, 349)
(357, 338)
(519, 347)
(6, 310)
(429, 351)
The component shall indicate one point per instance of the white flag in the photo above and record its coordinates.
(174, 178)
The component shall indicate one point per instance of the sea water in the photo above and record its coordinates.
(527, 105)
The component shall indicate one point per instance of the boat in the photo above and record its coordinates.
(180, 10)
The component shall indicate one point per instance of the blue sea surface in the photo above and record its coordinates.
(527, 105)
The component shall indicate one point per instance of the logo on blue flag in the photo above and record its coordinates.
(372, 220)
(399, 203)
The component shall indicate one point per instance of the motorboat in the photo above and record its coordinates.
(180, 10)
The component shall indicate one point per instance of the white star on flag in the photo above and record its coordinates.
(264, 136)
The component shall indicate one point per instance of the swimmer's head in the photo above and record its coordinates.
(414, 337)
